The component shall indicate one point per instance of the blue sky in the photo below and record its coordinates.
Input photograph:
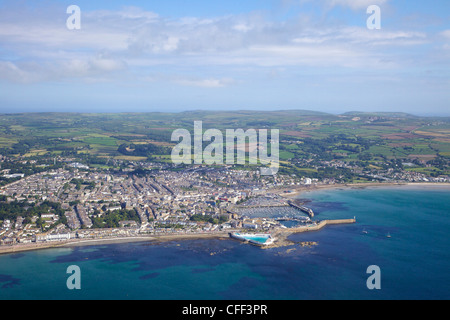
(225, 55)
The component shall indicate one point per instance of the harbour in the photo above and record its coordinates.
(279, 238)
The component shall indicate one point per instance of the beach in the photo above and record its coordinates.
(296, 191)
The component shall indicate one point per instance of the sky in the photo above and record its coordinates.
(173, 55)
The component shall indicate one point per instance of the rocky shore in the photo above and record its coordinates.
(79, 242)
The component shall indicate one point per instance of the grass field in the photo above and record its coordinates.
(385, 135)
(101, 140)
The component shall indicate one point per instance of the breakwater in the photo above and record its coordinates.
(281, 235)
(317, 226)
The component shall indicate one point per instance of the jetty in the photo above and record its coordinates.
(316, 226)
(305, 219)
(280, 236)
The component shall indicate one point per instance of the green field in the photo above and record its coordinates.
(102, 141)
(303, 134)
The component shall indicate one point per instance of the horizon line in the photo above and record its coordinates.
(422, 115)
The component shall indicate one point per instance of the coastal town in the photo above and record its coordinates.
(76, 202)
(195, 201)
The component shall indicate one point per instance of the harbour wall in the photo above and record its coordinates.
(318, 226)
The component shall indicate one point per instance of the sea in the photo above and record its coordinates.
(402, 230)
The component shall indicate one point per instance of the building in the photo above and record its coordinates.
(52, 237)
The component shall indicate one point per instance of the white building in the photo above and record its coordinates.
(53, 237)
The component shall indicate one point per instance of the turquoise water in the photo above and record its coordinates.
(414, 261)
(259, 239)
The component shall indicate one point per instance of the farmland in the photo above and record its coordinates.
(371, 140)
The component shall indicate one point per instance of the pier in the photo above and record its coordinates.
(280, 236)
(315, 227)
(302, 208)
(292, 219)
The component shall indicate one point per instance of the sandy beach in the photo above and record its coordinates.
(296, 191)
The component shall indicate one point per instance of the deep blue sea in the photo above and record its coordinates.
(414, 261)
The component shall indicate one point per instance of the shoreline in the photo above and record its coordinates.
(150, 238)
(301, 189)
(91, 242)
(18, 248)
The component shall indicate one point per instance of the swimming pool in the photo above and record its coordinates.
(261, 239)
(258, 238)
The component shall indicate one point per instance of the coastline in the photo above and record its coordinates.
(296, 191)
(301, 189)
(80, 242)
(150, 238)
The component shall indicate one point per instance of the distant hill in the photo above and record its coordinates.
(380, 114)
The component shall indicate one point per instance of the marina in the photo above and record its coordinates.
(293, 217)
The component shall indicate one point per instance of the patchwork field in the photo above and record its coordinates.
(303, 134)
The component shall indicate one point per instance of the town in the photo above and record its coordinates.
(78, 202)
(97, 205)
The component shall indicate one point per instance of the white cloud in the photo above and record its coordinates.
(242, 27)
(445, 34)
(126, 13)
(352, 4)
(355, 4)
(131, 39)
(206, 83)
(31, 71)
